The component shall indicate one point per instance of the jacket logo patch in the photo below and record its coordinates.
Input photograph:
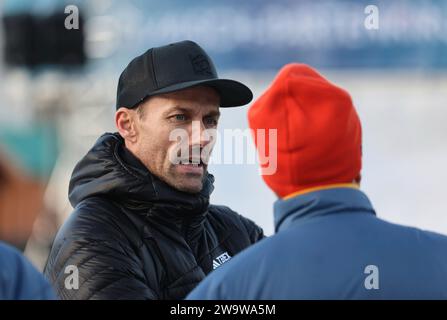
(220, 260)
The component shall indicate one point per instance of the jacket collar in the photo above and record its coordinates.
(319, 203)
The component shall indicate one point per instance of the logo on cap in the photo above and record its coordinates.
(201, 65)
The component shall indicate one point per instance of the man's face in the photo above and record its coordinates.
(157, 122)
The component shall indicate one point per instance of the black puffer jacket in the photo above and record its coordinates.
(131, 236)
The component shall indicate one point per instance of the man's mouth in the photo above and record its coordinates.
(195, 166)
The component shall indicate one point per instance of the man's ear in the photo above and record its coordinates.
(125, 123)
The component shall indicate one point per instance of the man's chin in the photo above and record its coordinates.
(188, 182)
(189, 189)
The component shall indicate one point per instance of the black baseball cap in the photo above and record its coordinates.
(175, 67)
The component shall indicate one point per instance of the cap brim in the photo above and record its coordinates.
(232, 93)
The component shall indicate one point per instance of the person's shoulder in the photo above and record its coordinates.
(94, 234)
(93, 226)
(7, 250)
(11, 260)
(432, 239)
(419, 239)
(95, 217)
(10, 257)
(228, 217)
(19, 279)
(410, 231)
(224, 214)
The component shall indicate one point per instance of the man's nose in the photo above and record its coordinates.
(198, 135)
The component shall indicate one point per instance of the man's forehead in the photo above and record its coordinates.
(209, 109)
(191, 100)
(199, 93)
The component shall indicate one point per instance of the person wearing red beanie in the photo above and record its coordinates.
(319, 132)
(329, 243)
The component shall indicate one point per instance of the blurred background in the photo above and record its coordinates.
(58, 86)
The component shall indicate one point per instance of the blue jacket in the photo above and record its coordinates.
(330, 245)
(19, 280)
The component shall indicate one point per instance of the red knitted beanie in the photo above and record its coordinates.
(319, 131)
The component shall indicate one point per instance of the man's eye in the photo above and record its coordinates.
(180, 117)
(211, 121)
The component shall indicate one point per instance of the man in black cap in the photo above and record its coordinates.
(142, 227)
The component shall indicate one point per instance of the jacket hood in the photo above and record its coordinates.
(109, 170)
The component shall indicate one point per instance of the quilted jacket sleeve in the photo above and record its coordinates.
(92, 259)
